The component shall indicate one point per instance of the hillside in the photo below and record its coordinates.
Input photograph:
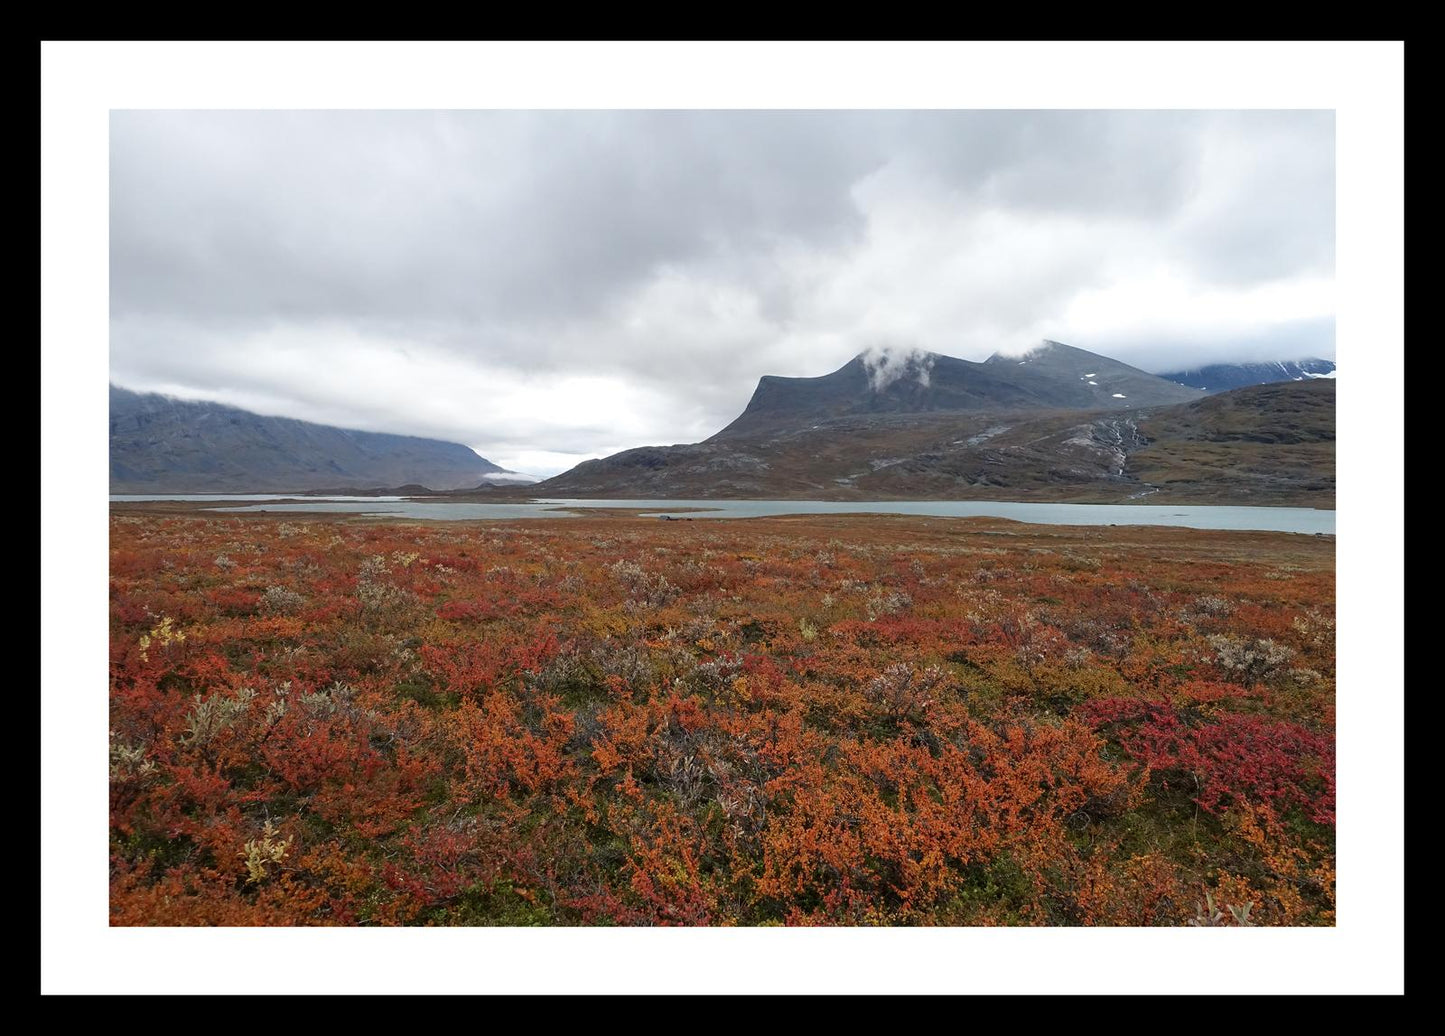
(161, 444)
(1268, 444)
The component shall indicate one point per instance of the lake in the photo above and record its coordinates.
(134, 498)
(1265, 519)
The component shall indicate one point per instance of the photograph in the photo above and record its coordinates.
(756, 516)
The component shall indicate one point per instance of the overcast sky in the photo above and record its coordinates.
(551, 286)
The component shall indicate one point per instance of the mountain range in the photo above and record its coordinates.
(163, 445)
(1056, 423)
(1221, 377)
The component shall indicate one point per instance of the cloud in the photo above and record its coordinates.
(551, 285)
(886, 364)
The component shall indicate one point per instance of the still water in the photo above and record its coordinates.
(1267, 519)
(134, 498)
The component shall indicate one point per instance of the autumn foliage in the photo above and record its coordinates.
(778, 721)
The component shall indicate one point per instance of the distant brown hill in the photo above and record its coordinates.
(1266, 443)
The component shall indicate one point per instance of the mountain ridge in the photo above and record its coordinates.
(1221, 377)
(160, 443)
(1054, 376)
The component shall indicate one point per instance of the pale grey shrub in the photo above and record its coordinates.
(281, 600)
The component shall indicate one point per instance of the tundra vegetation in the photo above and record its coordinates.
(808, 721)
